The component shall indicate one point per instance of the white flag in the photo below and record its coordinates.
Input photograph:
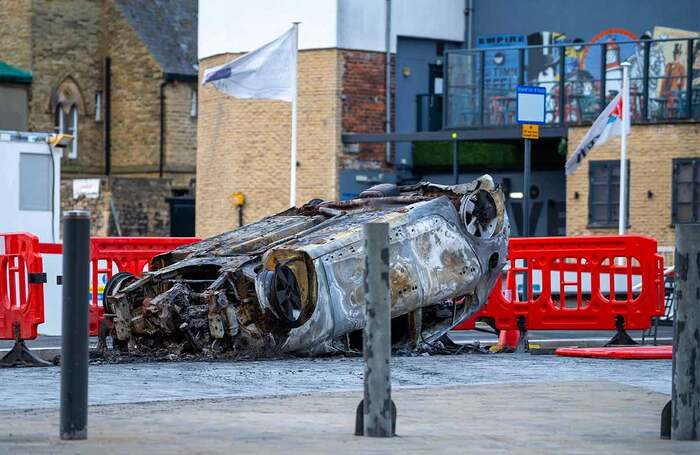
(609, 123)
(268, 72)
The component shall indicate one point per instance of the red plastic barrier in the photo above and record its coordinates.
(128, 254)
(21, 286)
(620, 352)
(564, 265)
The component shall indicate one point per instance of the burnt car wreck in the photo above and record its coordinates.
(293, 282)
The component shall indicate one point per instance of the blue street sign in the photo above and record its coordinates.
(530, 104)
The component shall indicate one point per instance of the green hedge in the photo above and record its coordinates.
(494, 156)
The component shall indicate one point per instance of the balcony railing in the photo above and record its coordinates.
(580, 78)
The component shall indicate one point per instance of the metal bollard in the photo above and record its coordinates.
(685, 395)
(376, 413)
(74, 339)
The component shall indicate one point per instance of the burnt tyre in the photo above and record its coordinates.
(118, 282)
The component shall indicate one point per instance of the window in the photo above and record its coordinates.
(35, 181)
(98, 106)
(604, 193)
(66, 121)
(67, 105)
(193, 103)
(686, 191)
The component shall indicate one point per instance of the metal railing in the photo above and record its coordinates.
(580, 78)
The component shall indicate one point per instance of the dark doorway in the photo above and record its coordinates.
(182, 216)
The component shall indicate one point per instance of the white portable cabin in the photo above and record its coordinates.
(30, 201)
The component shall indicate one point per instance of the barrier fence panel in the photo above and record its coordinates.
(578, 283)
(551, 283)
(109, 255)
(21, 286)
(122, 254)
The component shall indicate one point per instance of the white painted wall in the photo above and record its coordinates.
(361, 22)
(240, 26)
(12, 219)
(44, 224)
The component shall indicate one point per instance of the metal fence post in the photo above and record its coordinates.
(689, 80)
(376, 414)
(455, 160)
(685, 395)
(74, 339)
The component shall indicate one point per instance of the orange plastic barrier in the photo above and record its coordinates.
(21, 286)
(127, 254)
(619, 352)
(587, 283)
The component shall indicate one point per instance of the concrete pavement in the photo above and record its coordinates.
(538, 418)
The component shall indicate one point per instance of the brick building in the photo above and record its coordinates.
(663, 188)
(121, 77)
(244, 145)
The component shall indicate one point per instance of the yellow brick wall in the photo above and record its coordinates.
(651, 150)
(135, 97)
(16, 38)
(180, 133)
(244, 145)
(64, 43)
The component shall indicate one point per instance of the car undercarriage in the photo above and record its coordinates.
(293, 282)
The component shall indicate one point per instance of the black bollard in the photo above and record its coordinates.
(685, 395)
(74, 339)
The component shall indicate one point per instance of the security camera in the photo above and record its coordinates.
(61, 140)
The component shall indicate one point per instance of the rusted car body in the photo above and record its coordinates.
(293, 282)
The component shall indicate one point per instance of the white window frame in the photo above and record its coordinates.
(193, 101)
(73, 111)
(73, 154)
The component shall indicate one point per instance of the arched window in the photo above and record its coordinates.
(66, 104)
(66, 121)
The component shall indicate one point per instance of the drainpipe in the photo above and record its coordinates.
(470, 23)
(387, 88)
(161, 161)
(108, 114)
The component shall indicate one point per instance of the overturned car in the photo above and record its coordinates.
(293, 282)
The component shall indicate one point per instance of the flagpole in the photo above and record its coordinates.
(293, 167)
(622, 215)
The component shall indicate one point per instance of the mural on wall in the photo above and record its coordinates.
(671, 67)
(696, 64)
(543, 67)
(584, 66)
(501, 69)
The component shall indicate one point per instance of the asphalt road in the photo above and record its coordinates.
(664, 333)
(26, 388)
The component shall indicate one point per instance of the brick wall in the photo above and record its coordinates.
(136, 79)
(70, 38)
(140, 205)
(98, 207)
(16, 38)
(244, 145)
(364, 104)
(180, 133)
(65, 44)
(650, 149)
